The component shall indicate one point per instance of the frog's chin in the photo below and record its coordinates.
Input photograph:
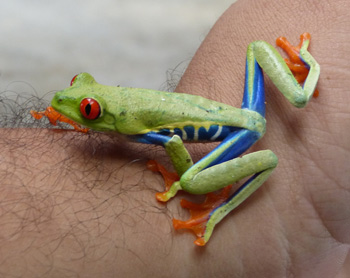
(71, 116)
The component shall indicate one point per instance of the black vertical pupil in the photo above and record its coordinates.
(88, 109)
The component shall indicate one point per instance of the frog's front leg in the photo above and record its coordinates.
(181, 161)
(179, 156)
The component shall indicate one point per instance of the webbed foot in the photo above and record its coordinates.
(200, 214)
(294, 62)
(170, 179)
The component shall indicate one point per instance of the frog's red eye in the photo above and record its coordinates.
(73, 79)
(90, 108)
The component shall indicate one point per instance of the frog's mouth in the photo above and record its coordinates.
(66, 107)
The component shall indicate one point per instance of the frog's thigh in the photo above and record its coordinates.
(226, 173)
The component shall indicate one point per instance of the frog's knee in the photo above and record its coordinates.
(300, 101)
(271, 158)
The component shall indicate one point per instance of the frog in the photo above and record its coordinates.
(170, 119)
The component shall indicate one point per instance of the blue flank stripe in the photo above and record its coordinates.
(204, 134)
(187, 134)
(178, 132)
(189, 130)
(164, 131)
(226, 130)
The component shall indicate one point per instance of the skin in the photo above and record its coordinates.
(56, 223)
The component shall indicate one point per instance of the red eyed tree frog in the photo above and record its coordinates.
(168, 119)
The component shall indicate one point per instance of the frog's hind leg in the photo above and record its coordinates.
(258, 165)
(254, 87)
(206, 215)
(200, 213)
(217, 170)
(280, 74)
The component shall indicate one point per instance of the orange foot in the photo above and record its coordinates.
(295, 64)
(54, 116)
(200, 214)
(169, 178)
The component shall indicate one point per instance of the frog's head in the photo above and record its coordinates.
(84, 103)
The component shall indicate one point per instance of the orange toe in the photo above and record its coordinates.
(200, 213)
(295, 64)
(169, 178)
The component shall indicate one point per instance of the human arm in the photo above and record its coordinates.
(95, 209)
